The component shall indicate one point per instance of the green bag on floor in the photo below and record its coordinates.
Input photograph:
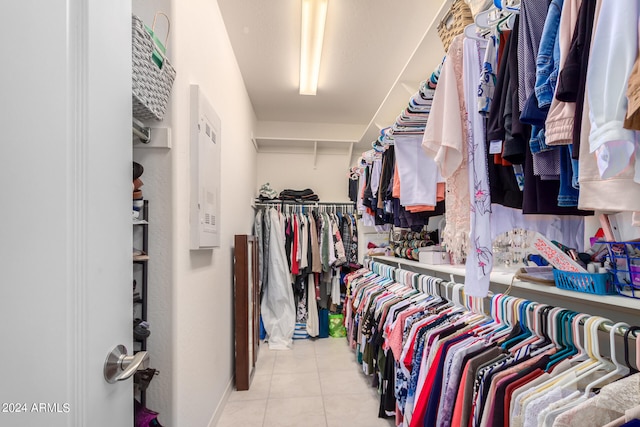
(336, 326)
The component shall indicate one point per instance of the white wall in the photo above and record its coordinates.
(203, 340)
(157, 179)
(191, 292)
(296, 171)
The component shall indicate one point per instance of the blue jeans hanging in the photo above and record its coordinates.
(567, 195)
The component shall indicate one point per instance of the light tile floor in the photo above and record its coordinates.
(317, 384)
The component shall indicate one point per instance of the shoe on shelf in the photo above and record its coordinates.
(139, 255)
(143, 377)
(141, 329)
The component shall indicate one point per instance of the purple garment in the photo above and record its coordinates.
(509, 377)
(453, 366)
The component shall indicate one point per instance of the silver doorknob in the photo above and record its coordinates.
(119, 366)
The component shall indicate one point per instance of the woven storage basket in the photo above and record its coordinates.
(151, 84)
(453, 23)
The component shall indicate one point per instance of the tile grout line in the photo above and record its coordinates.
(266, 406)
(324, 407)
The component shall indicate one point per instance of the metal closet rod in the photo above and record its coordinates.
(303, 203)
(621, 330)
(141, 131)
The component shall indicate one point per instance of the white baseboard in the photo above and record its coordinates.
(221, 404)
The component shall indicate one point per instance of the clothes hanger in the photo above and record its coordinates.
(570, 376)
(503, 328)
(530, 322)
(567, 334)
(628, 332)
(582, 353)
(457, 287)
(543, 343)
(593, 346)
(529, 336)
(600, 364)
(637, 352)
(512, 6)
(557, 339)
(566, 380)
(471, 32)
(619, 371)
(506, 23)
(520, 319)
(485, 18)
(489, 328)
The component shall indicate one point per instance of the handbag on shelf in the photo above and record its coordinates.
(153, 74)
(454, 21)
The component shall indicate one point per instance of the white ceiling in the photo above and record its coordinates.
(375, 54)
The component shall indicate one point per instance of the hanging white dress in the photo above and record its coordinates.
(278, 306)
(479, 257)
(313, 320)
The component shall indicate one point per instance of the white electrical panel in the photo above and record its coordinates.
(205, 172)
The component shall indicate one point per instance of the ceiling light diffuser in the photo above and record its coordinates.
(314, 16)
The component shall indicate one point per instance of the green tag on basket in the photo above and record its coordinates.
(158, 58)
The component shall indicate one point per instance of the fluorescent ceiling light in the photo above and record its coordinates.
(314, 15)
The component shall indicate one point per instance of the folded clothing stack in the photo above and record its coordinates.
(299, 195)
(267, 193)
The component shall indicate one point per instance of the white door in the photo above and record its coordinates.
(65, 221)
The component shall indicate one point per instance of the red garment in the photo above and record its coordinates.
(511, 388)
(457, 409)
(417, 419)
(409, 356)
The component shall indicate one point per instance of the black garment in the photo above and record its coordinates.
(385, 191)
(378, 201)
(288, 234)
(368, 194)
(309, 268)
(495, 123)
(572, 80)
(299, 287)
(516, 133)
(502, 180)
(415, 221)
(306, 194)
(353, 189)
(387, 397)
(541, 197)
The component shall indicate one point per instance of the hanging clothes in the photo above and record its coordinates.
(438, 364)
(444, 140)
(613, 145)
(277, 308)
(479, 260)
(313, 321)
(258, 230)
(597, 192)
